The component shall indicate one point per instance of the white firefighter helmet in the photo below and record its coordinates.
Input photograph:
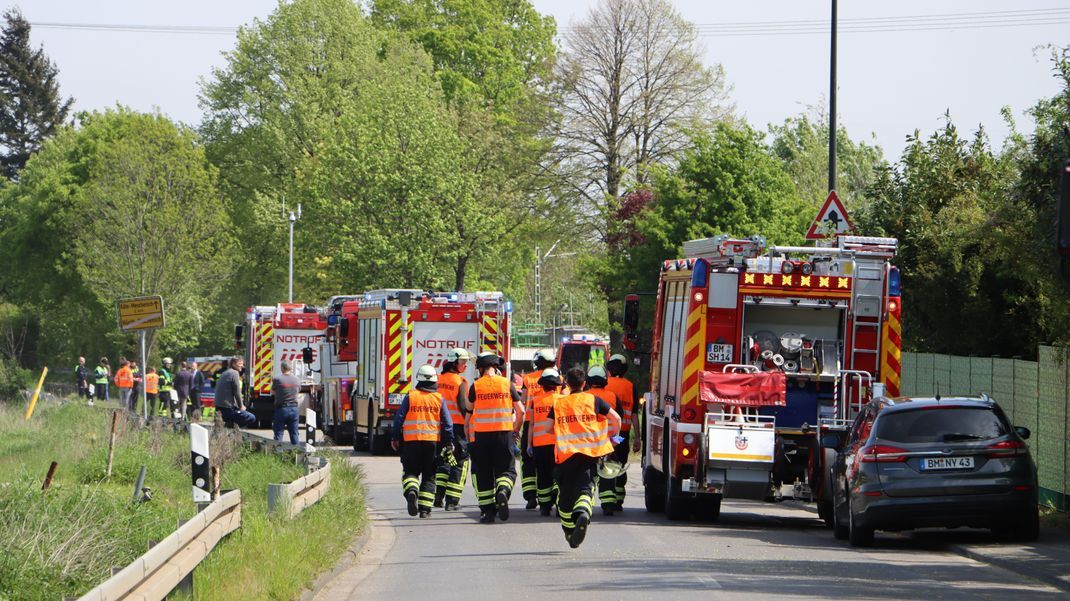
(611, 468)
(544, 357)
(167, 361)
(488, 359)
(597, 371)
(458, 354)
(550, 376)
(618, 357)
(426, 373)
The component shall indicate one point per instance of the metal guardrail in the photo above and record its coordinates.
(293, 498)
(156, 573)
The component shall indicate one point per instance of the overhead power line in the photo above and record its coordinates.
(887, 24)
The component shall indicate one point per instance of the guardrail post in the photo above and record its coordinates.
(185, 586)
(139, 485)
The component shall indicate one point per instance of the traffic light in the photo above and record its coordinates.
(1062, 234)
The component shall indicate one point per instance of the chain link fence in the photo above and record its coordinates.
(1032, 393)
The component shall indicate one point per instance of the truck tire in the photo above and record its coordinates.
(708, 508)
(839, 520)
(653, 489)
(377, 443)
(825, 509)
(677, 507)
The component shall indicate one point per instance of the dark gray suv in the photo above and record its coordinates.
(912, 463)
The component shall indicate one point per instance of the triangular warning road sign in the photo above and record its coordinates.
(831, 219)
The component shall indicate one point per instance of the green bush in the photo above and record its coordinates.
(13, 380)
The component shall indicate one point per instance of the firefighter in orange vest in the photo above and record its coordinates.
(597, 378)
(543, 359)
(585, 428)
(617, 366)
(420, 425)
(540, 439)
(497, 415)
(152, 389)
(450, 479)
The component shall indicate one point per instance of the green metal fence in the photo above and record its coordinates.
(1034, 394)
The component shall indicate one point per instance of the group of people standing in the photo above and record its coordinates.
(175, 392)
(569, 427)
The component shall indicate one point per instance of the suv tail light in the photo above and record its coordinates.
(879, 453)
(1007, 448)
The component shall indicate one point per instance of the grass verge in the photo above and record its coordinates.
(62, 542)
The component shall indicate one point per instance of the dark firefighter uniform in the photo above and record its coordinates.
(450, 479)
(607, 492)
(628, 411)
(581, 437)
(541, 439)
(527, 462)
(420, 425)
(494, 469)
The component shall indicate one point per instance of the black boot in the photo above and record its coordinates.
(533, 502)
(410, 498)
(502, 502)
(580, 531)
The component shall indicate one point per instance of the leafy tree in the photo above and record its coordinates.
(125, 204)
(494, 60)
(947, 201)
(802, 144)
(631, 83)
(725, 183)
(30, 104)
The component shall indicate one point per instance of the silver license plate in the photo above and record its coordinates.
(947, 463)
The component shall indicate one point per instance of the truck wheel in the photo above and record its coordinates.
(825, 512)
(379, 443)
(839, 521)
(360, 441)
(653, 489)
(677, 507)
(708, 508)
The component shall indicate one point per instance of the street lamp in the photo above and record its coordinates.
(293, 218)
(539, 258)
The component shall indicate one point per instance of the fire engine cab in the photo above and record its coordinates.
(388, 334)
(275, 334)
(582, 351)
(756, 351)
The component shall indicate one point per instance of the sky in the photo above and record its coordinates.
(901, 65)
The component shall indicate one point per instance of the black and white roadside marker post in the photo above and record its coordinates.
(310, 431)
(202, 484)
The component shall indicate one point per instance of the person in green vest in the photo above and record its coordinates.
(167, 384)
(101, 375)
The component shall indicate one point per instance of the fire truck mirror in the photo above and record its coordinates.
(631, 313)
(306, 355)
(404, 298)
(239, 333)
(343, 327)
(1063, 211)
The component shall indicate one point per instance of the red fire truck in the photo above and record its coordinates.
(390, 333)
(756, 352)
(274, 334)
(581, 350)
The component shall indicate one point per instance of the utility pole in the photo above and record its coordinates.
(293, 218)
(832, 104)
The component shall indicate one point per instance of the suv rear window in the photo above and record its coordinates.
(940, 424)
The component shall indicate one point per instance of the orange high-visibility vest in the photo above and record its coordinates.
(124, 378)
(152, 383)
(449, 386)
(625, 391)
(531, 385)
(578, 429)
(422, 422)
(493, 409)
(607, 396)
(542, 427)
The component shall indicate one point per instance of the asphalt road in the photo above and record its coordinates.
(755, 550)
